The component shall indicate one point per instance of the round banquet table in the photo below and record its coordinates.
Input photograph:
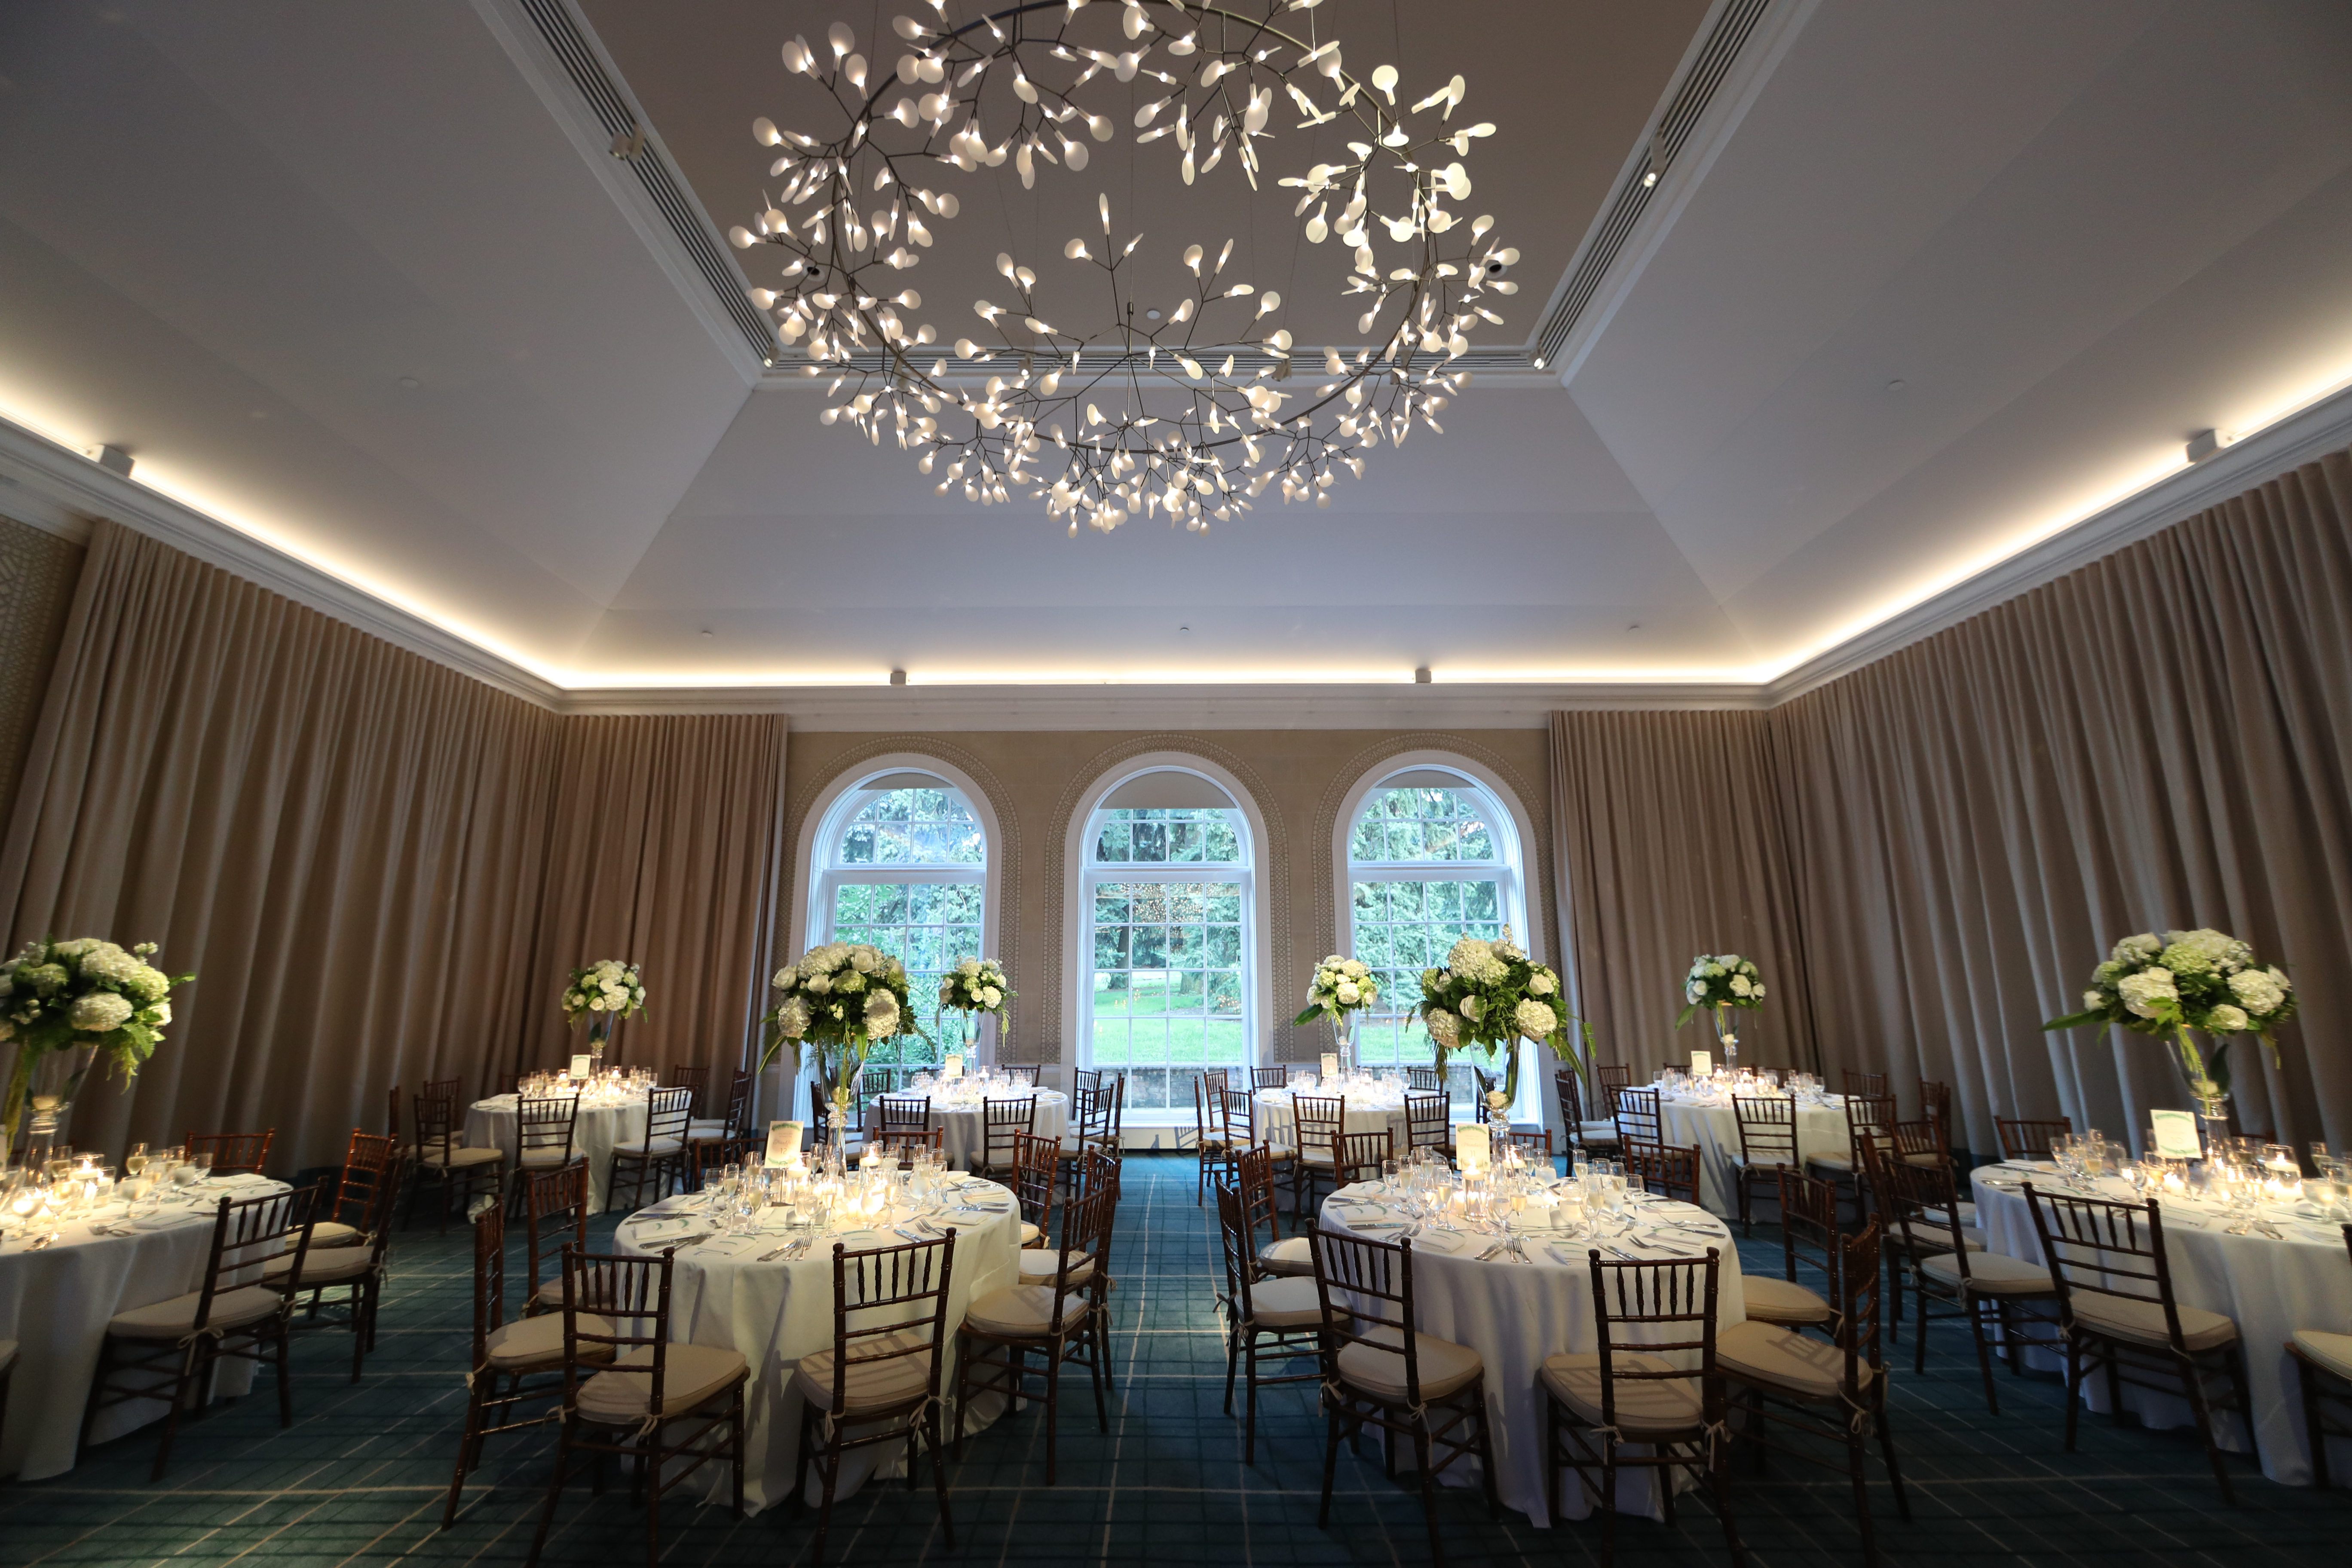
(724, 1292)
(1365, 1112)
(1714, 1129)
(603, 1126)
(55, 1303)
(962, 1117)
(1516, 1314)
(2270, 1288)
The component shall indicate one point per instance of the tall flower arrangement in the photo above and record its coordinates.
(976, 987)
(1720, 982)
(1489, 996)
(604, 991)
(67, 1002)
(2190, 979)
(842, 999)
(1341, 987)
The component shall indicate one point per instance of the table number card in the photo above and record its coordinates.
(783, 1144)
(1472, 1148)
(579, 1066)
(954, 1067)
(1330, 1065)
(2176, 1134)
(1702, 1063)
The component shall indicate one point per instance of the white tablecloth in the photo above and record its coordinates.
(1277, 1117)
(2270, 1288)
(1821, 1129)
(966, 1135)
(491, 1124)
(776, 1313)
(56, 1302)
(1515, 1315)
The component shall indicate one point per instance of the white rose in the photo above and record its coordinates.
(792, 1018)
(2092, 1000)
(1348, 993)
(160, 1013)
(1696, 992)
(819, 983)
(786, 978)
(2137, 949)
(864, 959)
(881, 1014)
(1739, 985)
(100, 1011)
(1715, 971)
(1473, 1008)
(1759, 992)
(2227, 1020)
(1541, 983)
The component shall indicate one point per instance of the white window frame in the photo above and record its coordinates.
(1514, 831)
(1083, 876)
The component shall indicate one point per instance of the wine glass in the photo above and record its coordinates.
(202, 1162)
(135, 1163)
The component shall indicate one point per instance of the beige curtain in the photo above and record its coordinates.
(1670, 846)
(378, 868)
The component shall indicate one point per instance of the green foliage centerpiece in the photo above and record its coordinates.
(842, 999)
(1720, 982)
(976, 987)
(1341, 988)
(603, 992)
(1488, 996)
(64, 1003)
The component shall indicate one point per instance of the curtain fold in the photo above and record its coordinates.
(380, 869)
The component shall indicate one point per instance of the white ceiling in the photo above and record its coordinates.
(2075, 230)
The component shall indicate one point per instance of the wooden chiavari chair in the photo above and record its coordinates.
(1360, 1155)
(1873, 1084)
(1666, 1170)
(233, 1153)
(1642, 1391)
(1535, 1147)
(354, 1272)
(1808, 1224)
(1428, 1081)
(1037, 1168)
(1864, 1118)
(1277, 1255)
(1317, 1121)
(545, 1130)
(1211, 1144)
(1949, 1266)
(2322, 1362)
(628, 1391)
(879, 1381)
(1090, 1079)
(1638, 1119)
(908, 1142)
(555, 1215)
(2120, 1315)
(1613, 1077)
(392, 1116)
(686, 1074)
(1768, 1146)
(171, 1349)
(1379, 1371)
(1833, 1392)
(1428, 1122)
(1243, 1115)
(1936, 1106)
(736, 1123)
(1276, 1077)
(1583, 1134)
(1002, 1124)
(2030, 1139)
(1049, 1318)
(660, 1159)
(1025, 1071)
(370, 1163)
(1278, 1319)
(444, 1162)
(708, 1156)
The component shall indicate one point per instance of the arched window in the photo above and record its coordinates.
(1432, 857)
(902, 863)
(1165, 984)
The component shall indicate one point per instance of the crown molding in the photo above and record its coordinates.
(2303, 436)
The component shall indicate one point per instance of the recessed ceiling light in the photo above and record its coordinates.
(1539, 362)
(705, 631)
(410, 381)
(1651, 178)
(1897, 385)
(1629, 626)
(1183, 628)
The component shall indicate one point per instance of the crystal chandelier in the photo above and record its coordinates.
(1190, 412)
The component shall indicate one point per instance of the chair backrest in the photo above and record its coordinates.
(1428, 1119)
(1113, 1112)
(1533, 1146)
(903, 1113)
(1637, 1116)
(438, 1130)
(2097, 1246)
(1237, 1240)
(1087, 1079)
(1663, 1169)
(1610, 1077)
(1921, 1209)
(1002, 1121)
(1086, 1228)
(490, 1280)
(1429, 1080)
(1870, 1083)
(543, 1124)
(668, 1113)
(1277, 1076)
(685, 1075)
(1360, 1153)
(635, 1291)
(233, 1153)
(246, 1234)
(1366, 1292)
(907, 1142)
(1808, 1224)
(739, 1106)
(1768, 1129)
(1571, 1096)
(1935, 1105)
(1095, 1168)
(1867, 1115)
(1924, 1138)
(1857, 1288)
(1241, 1116)
(1035, 1162)
(1662, 1308)
(2024, 1140)
(441, 1087)
(1089, 1112)
(555, 1215)
(1208, 1110)
(712, 1155)
(368, 1162)
(1217, 1078)
(391, 1113)
(1319, 1120)
(1254, 1176)
(890, 1304)
(1026, 1071)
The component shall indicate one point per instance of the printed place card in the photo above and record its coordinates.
(1330, 1064)
(2176, 1134)
(954, 1066)
(1702, 1063)
(1472, 1147)
(579, 1066)
(783, 1144)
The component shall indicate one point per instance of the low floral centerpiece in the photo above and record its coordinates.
(1487, 998)
(1341, 988)
(64, 1003)
(603, 992)
(2203, 981)
(842, 999)
(977, 987)
(1719, 982)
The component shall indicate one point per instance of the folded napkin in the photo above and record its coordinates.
(680, 1227)
(241, 1179)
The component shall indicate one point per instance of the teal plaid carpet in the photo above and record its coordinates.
(362, 1475)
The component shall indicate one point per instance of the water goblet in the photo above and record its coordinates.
(135, 1163)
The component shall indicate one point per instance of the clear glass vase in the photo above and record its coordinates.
(2205, 1072)
(1726, 1038)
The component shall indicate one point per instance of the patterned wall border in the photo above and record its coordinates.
(1275, 868)
(1008, 827)
(1538, 886)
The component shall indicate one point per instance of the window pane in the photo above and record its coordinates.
(1158, 836)
(1166, 990)
(1402, 928)
(1421, 826)
(914, 827)
(931, 928)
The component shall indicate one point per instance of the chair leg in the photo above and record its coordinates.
(649, 1469)
(1428, 1489)
(2073, 1388)
(1978, 1306)
(1249, 1420)
(554, 1491)
(1719, 1462)
(2314, 1430)
(1886, 1452)
(2198, 1407)
(1856, 1455)
(466, 1451)
(939, 1476)
(1331, 1462)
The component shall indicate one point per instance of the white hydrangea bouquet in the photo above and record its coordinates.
(1719, 982)
(2189, 980)
(975, 987)
(1488, 996)
(64, 1003)
(605, 991)
(1341, 988)
(842, 999)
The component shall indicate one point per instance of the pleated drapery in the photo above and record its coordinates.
(353, 849)
(2161, 738)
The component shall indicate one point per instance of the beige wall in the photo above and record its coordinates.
(1034, 780)
(37, 571)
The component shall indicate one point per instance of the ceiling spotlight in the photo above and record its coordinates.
(410, 383)
(1897, 385)
(1539, 362)
(1650, 178)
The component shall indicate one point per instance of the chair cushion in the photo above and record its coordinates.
(170, 1319)
(1039, 1263)
(2142, 1323)
(1445, 1367)
(1322, 1158)
(1783, 1301)
(461, 1159)
(1967, 1215)
(1286, 1303)
(1782, 1361)
(1762, 1162)
(1992, 1273)
(1030, 1234)
(1596, 1132)
(653, 1149)
(1931, 1238)
(546, 1159)
(334, 1233)
(871, 1384)
(536, 1344)
(1646, 1411)
(705, 1130)
(1832, 1162)
(1928, 1160)
(691, 1376)
(1291, 1255)
(1024, 1311)
(2333, 1351)
(336, 1266)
